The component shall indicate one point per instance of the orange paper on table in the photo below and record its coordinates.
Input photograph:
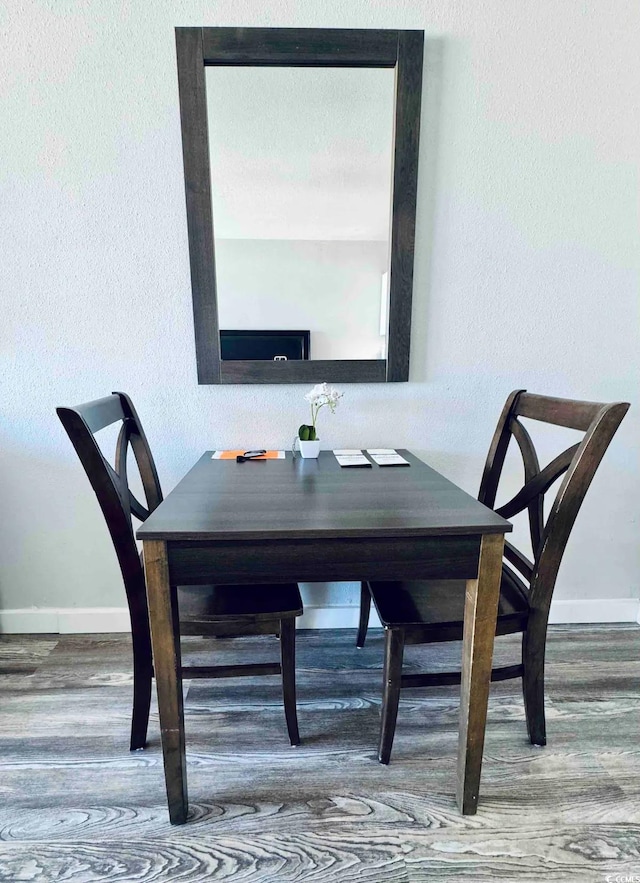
(231, 455)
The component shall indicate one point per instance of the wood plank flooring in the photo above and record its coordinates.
(76, 806)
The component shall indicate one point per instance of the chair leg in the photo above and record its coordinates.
(393, 653)
(288, 662)
(142, 684)
(533, 649)
(365, 608)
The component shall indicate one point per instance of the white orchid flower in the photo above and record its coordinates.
(322, 394)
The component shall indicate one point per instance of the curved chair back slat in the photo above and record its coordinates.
(569, 499)
(531, 471)
(497, 453)
(578, 464)
(110, 483)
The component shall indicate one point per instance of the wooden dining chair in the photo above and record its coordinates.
(214, 611)
(420, 612)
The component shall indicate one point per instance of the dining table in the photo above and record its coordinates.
(311, 520)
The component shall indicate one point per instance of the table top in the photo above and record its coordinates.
(298, 498)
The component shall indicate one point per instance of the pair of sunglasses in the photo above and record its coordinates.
(249, 455)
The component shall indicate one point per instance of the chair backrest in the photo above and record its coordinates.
(578, 463)
(110, 483)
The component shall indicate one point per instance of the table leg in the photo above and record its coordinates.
(480, 612)
(165, 639)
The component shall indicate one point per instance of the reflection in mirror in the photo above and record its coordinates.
(301, 174)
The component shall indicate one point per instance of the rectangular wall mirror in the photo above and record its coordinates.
(300, 157)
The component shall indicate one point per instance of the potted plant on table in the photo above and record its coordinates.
(307, 437)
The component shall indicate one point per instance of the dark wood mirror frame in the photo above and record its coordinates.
(198, 48)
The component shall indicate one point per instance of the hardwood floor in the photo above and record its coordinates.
(76, 806)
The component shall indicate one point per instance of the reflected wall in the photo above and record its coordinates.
(301, 175)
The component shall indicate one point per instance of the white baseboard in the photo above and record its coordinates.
(595, 610)
(93, 620)
(64, 620)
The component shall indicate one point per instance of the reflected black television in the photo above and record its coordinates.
(264, 346)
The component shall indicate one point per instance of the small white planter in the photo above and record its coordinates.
(309, 449)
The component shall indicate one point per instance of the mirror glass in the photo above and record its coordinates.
(301, 177)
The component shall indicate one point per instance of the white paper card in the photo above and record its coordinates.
(387, 457)
(347, 457)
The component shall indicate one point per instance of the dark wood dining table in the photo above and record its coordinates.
(306, 520)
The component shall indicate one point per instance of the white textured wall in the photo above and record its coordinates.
(526, 263)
